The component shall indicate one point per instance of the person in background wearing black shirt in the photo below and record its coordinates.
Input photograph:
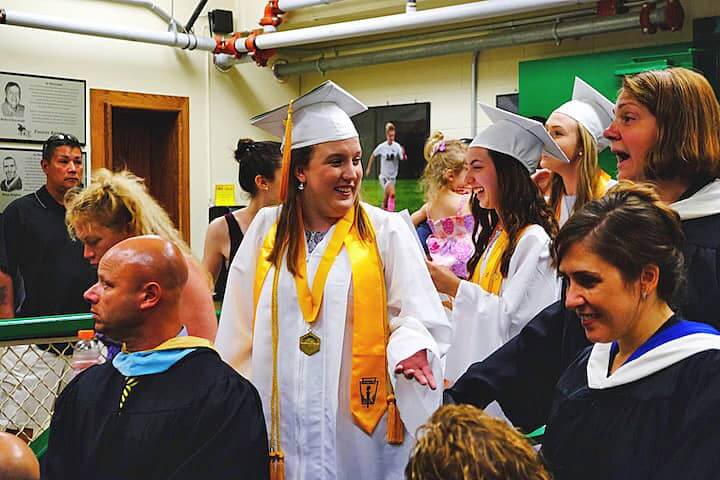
(49, 274)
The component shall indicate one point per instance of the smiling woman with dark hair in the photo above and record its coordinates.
(644, 401)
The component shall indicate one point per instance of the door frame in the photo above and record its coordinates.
(101, 104)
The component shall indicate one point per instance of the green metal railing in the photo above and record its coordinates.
(44, 327)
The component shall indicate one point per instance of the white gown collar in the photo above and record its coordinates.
(654, 360)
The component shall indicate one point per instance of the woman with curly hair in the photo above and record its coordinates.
(116, 206)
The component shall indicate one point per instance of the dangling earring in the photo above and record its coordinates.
(644, 295)
(301, 186)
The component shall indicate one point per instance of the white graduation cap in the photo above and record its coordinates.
(591, 109)
(522, 138)
(321, 115)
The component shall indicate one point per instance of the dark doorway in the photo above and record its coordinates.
(144, 142)
(148, 135)
(412, 128)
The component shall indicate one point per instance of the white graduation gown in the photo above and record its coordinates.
(318, 436)
(483, 322)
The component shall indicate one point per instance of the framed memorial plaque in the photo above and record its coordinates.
(22, 174)
(34, 107)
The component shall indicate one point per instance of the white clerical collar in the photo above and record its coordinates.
(670, 346)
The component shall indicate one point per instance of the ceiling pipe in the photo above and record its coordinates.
(187, 41)
(289, 5)
(552, 32)
(397, 23)
(167, 18)
(225, 62)
(444, 34)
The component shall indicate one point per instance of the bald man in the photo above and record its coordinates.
(17, 461)
(165, 408)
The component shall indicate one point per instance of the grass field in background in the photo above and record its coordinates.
(408, 194)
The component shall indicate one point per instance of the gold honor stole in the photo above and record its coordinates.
(490, 279)
(602, 184)
(600, 189)
(370, 390)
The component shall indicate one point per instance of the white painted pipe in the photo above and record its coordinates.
(157, 10)
(401, 22)
(171, 39)
(225, 62)
(288, 5)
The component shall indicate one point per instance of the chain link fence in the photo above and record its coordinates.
(35, 356)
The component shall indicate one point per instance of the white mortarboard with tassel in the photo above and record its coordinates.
(591, 109)
(522, 138)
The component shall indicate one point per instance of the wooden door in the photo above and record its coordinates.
(148, 135)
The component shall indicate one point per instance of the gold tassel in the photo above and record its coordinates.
(287, 152)
(277, 465)
(395, 427)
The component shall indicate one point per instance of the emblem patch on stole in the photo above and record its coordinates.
(368, 391)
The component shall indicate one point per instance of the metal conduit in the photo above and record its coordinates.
(543, 33)
(400, 22)
(444, 34)
(171, 39)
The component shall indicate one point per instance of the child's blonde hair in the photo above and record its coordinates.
(441, 156)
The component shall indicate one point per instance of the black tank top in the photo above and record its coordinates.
(236, 238)
(236, 235)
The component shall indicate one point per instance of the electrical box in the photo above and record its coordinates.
(221, 21)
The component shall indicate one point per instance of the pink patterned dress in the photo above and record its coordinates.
(450, 243)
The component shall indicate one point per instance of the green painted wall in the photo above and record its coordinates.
(546, 84)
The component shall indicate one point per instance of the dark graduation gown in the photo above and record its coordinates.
(663, 425)
(522, 373)
(198, 420)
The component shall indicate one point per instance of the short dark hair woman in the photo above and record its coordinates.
(644, 401)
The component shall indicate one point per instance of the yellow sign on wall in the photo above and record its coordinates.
(224, 194)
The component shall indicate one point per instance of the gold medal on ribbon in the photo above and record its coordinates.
(309, 344)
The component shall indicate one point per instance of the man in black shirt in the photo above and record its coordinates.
(49, 277)
(39, 250)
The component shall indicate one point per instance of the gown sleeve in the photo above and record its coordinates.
(521, 375)
(234, 438)
(693, 454)
(416, 317)
(235, 331)
(483, 321)
(62, 448)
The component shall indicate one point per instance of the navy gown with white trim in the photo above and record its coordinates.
(656, 417)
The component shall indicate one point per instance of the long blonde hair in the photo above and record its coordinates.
(120, 201)
(588, 178)
(441, 155)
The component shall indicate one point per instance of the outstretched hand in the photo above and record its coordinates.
(416, 366)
